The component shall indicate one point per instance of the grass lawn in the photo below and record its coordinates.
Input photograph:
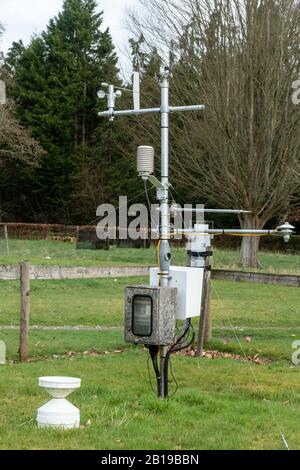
(100, 302)
(220, 404)
(50, 253)
(268, 315)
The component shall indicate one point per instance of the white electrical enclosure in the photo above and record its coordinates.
(188, 282)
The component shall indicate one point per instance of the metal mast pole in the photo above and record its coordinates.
(162, 191)
(165, 254)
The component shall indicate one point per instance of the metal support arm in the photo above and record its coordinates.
(137, 112)
(212, 211)
(231, 231)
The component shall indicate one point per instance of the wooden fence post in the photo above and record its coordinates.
(205, 324)
(24, 323)
(208, 322)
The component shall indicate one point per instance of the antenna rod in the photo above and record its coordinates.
(137, 112)
(212, 211)
(136, 91)
(130, 112)
(232, 231)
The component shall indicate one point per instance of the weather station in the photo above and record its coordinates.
(174, 293)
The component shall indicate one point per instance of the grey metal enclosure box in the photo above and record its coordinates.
(150, 315)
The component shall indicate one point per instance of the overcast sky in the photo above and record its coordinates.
(22, 18)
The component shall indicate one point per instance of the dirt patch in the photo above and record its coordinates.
(71, 355)
(226, 355)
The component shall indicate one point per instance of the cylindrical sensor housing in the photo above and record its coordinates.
(145, 161)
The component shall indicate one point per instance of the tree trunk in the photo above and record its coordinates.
(250, 245)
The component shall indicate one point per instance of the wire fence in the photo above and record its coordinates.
(65, 316)
(72, 316)
(56, 246)
(85, 237)
(77, 316)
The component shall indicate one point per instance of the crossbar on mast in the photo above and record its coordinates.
(137, 112)
(212, 211)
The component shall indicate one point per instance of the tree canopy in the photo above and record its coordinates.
(240, 59)
(55, 84)
(19, 151)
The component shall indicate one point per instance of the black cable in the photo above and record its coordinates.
(149, 375)
(147, 196)
(166, 365)
(149, 207)
(185, 345)
(173, 377)
(153, 353)
(181, 337)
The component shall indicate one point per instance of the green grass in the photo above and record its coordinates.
(50, 344)
(275, 345)
(272, 344)
(218, 405)
(270, 262)
(101, 302)
(66, 254)
(68, 302)
(269, 315)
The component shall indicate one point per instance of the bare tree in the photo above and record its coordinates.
(16, 143)
(18, 149)
(240, 58)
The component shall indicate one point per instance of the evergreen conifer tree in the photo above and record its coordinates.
(56, 82)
